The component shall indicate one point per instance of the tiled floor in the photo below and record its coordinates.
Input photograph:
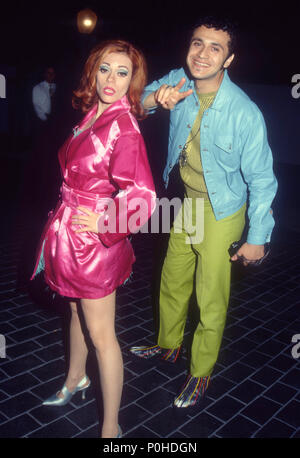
(255, 388)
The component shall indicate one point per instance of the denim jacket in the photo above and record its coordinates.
(236, 158)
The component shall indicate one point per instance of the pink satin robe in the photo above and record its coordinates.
(104, 162)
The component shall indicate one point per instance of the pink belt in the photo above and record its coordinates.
(74, 198)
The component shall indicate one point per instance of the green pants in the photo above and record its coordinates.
(206, 263)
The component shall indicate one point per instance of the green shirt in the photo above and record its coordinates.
(191, 170)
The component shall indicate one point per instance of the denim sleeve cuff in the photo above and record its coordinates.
(144, 96)
(257, 239)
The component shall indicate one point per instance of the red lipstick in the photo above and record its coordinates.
(109, 91)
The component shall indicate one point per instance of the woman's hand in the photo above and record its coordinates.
(89, 219)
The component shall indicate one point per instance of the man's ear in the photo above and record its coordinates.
(228, 61)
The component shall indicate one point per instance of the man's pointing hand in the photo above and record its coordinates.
(169, 96)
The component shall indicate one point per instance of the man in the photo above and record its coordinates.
(44, 174)
(218, 136)
(42, 95)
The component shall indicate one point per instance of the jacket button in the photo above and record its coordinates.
(189, 126)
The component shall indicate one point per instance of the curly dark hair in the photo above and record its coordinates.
(219, 23)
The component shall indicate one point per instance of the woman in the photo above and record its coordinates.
(85, 252)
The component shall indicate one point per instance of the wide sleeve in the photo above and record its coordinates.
(135, 200)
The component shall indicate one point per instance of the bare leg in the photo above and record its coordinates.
(78, 351)
(100, 320)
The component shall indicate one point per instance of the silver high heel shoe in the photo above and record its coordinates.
(119, 435)
(54, 400)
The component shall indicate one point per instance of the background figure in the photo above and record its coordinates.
(43, 165)
(43, 95)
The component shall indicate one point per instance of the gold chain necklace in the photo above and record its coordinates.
(184, 155)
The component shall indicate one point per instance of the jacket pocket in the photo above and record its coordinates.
(225, 143)
(225, 152)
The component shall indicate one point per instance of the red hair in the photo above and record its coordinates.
(86, 95)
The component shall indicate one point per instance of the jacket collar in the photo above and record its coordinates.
(223, 93)
(114, 110)
(46, 84)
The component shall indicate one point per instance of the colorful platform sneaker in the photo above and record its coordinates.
(170, 355)
(192, 392)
